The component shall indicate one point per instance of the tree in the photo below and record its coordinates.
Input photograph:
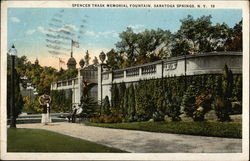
(196, 31)
(227, 82)
(106, 106)
(128, 45)
(172, 108)
(234, 43)
(158, 96)
(89, 106)
(114, 60)
(87, 58)
(148, 41)
(219, 35)
(223, 105)
(237, 92)
(145, 105)
(122, 90)
(131, 103)
(188, 105)
(181, 47)
(95, 61)
(115, 97)
(124, 103)
(61, 100)
(222, 108)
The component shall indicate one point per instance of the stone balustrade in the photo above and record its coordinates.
(206, 63)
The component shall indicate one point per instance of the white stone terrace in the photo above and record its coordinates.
(206, 63)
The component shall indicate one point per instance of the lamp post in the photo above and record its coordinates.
(12, 53)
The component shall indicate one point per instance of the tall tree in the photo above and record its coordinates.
(128, 45)
(131, 102)
(148, 41)
(235, 41)
(196, 31)
(95, 61)
(87, 58)
(114, 59)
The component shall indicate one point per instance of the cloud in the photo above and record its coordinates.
(137, 26)
(15, 19)
(91, 34)
(42, 30)
(30, 32)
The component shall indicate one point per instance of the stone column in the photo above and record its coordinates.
(99, 82)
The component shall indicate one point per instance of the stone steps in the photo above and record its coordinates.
(36, 118)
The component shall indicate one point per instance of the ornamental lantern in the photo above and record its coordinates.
(12, 51)
(102, 56)
(82, 63)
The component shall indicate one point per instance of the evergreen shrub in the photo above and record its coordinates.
(193, 95)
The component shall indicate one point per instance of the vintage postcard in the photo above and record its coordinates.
(124, 80)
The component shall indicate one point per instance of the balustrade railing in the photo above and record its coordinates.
(118, 74)
(132, 72)
(64, 83)
(150, 69)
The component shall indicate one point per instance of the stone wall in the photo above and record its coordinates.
(208, 63)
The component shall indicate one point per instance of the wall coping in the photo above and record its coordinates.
(207, 54)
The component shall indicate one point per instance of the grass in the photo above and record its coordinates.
(31, 140)
(218, 129)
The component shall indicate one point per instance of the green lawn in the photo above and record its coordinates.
(219, 129)
(30, 140)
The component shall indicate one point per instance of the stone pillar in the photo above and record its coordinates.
(99, 82)
(80, 88)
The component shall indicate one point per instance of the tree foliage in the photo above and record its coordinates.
(61, 100)
(95, 61)
(87, 58)
(154, 99)
(106, 109)
(90, 107)
(194, 36)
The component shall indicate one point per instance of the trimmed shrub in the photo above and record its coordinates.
(90, 107)
(115, 97)
(131, 103)
(145, 105)
(203, 104)
(188, 101)
(172, 108)
(105, 109)
(222, 108)
(193, 94)
(122, 89)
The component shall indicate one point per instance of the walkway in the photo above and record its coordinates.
(143, 142)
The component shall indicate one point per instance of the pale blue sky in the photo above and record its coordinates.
(27, 27)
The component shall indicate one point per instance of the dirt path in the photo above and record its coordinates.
(143, 142)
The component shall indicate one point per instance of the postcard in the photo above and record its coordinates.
(124, 80)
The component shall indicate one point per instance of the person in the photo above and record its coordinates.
(73, 116)
(44, 101)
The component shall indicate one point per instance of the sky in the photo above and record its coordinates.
(96, 29)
